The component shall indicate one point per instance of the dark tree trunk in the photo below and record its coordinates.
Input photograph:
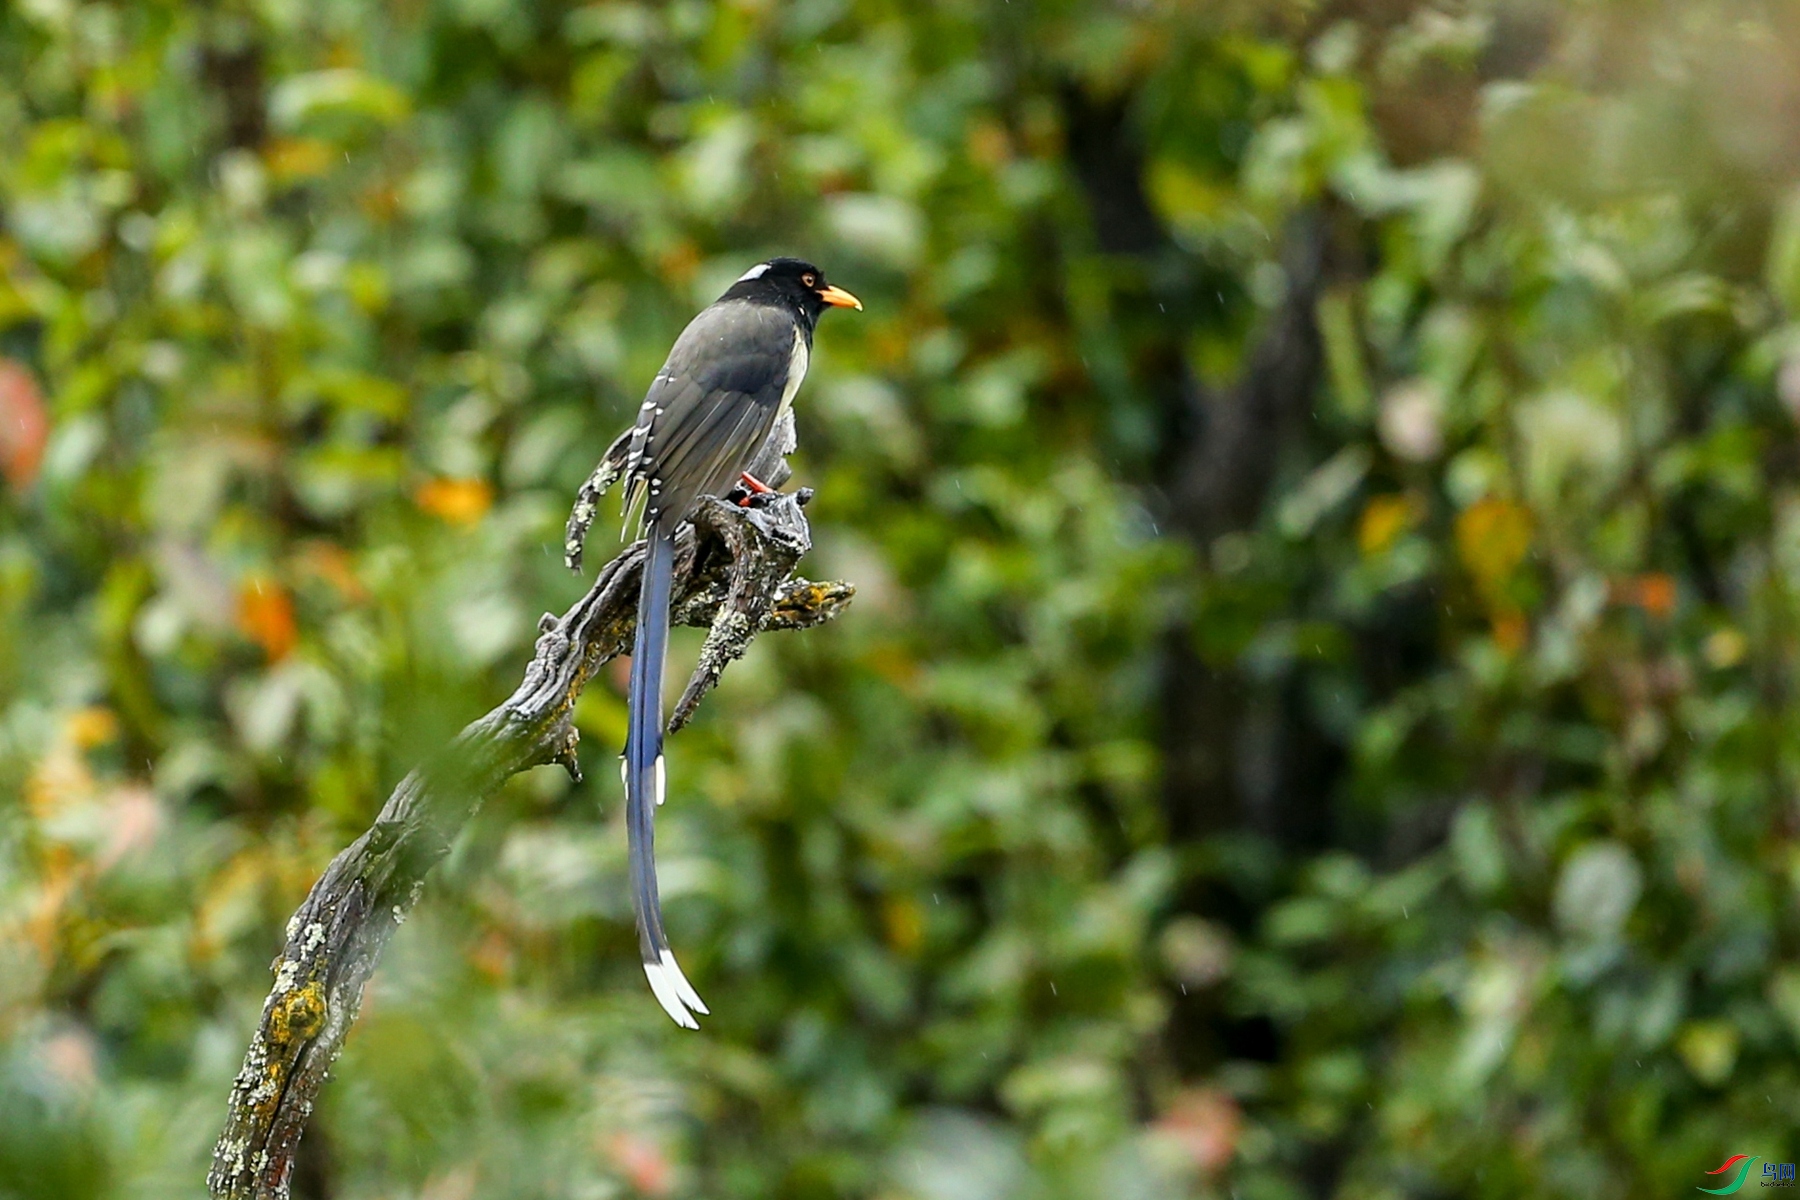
(1231, 759)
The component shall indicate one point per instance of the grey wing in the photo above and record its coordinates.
(710, 408)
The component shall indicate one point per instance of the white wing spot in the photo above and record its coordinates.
(662, 782)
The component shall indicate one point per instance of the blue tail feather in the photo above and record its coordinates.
(644, 776)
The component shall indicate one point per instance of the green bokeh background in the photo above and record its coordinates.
(1322, 480)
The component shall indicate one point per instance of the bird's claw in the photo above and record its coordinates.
(745, 497)
(751, 492)
(757, 499)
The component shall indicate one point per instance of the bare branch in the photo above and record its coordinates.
(733, 572)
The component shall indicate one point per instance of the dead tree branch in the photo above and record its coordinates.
(733, 573)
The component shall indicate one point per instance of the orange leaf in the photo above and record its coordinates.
(1654, 592)
(458, 501)
(680, 261)
(988, 145)
(493, 955)
(266, 615)
(24, 427)
(1510, 631)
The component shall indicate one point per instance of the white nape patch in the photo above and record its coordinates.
(756, 272)
(683, 988)
(666, 995)
(798, 360)
(662, 782)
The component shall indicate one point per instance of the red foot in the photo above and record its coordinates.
(757, 488)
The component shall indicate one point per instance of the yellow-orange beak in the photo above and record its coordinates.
(837, 297)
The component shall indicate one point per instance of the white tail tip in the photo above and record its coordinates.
(673, 991)
(683, 988)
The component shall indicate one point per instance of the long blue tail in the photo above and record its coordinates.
(644, 777)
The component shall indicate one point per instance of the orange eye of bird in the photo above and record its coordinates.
(809, 280)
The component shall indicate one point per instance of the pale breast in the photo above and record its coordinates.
(798, 359)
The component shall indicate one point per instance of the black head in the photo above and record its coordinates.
(790, 282)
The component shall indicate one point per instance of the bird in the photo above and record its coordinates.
(719, 411)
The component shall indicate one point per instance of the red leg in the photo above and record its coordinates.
(757, 488)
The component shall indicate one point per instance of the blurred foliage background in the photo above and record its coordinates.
(1324, 489)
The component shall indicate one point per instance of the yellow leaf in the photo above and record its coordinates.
(298, 158)
(1724, 648)
(60, 778)
(905, 922)
(90, 727)
(1710, 1050)
(458, 501)
(1383, 520)
(1492, 538)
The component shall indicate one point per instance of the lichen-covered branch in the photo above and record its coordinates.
(733, 573)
